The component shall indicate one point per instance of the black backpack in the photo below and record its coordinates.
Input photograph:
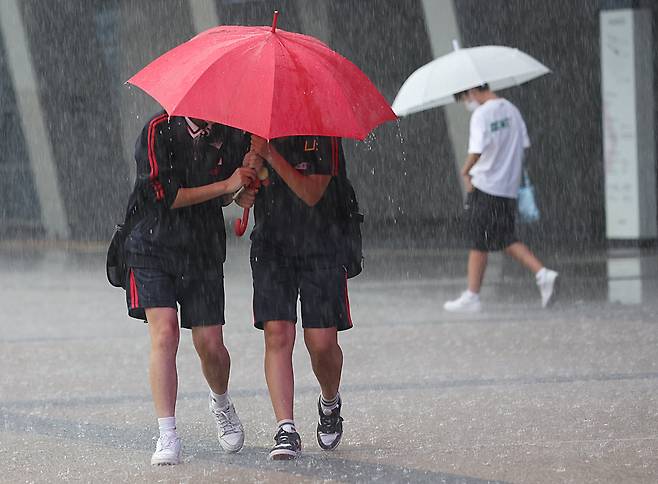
(349, 216)
(115, 264)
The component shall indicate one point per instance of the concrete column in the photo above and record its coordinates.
(204, 14)
(39, 148)
(627, 91)
(146, 31)
(442, 28)
(314, 19)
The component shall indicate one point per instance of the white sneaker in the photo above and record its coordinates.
(230, 432)
(466, 303)
(546, 283)
(167, 451)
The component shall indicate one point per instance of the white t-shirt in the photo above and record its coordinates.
(498, 133)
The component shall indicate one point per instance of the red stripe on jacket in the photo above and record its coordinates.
(153, 161)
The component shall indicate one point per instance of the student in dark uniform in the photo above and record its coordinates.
(295, 253)
(175, 253)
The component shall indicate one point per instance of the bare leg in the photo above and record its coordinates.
(165, 335)
(477, 264)
(522, 253)
(279, 343)
(215, 360)
(326, 358)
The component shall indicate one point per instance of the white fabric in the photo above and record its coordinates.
(435, 83)
(167, 424)
(219, 401)
(195, 131)
(499, 135)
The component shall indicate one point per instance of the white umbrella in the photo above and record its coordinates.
(435, 83)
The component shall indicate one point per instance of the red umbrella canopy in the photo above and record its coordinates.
(266, 81)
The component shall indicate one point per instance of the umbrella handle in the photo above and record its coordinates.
(240, 224)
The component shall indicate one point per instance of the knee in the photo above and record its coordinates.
(279, 337)
(209, 347)
(321, 347)
(208, 341)
(165, 338)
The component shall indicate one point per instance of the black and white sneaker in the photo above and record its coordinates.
(330, 427)
(288, 446)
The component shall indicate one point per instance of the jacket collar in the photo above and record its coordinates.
(195, 131)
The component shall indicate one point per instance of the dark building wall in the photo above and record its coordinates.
(19, 204)
(403, 172)
(77, 92)
(562, 110)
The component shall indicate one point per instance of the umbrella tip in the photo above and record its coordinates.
(455, 44)
(276, 16)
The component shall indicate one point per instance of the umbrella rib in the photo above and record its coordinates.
(201, 73)
(321, 56)
(256, 44)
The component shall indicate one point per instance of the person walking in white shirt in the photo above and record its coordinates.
(492, 176)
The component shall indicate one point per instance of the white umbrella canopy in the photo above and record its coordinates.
(435, 83)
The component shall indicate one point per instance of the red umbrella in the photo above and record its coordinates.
(266, 81)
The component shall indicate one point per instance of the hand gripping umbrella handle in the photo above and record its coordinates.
(240, 224)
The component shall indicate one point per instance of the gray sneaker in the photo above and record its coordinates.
(230, 432)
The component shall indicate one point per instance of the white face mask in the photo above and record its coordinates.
(471, 105)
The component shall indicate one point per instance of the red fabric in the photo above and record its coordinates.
(153, 161)
(134, 298)
(272, 84)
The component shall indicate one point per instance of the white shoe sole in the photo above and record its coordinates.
(284, 454)
(165, 462)
(231, 449)
(465, 309)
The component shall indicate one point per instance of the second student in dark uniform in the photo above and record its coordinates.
(296, 253)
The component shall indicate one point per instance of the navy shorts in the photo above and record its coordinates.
(490, 221)
(320, 284)
(201, 298)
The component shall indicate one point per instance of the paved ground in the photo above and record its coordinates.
(514, 394)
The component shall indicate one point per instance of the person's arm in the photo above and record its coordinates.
(159, 179)
(192, 196)
(471, 160)
(309, 188)
(478, 140)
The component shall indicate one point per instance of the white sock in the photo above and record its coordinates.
(220, 401)
(540, 274)
(472, 295)
(167, 425)
(286, 425)
(328, 404)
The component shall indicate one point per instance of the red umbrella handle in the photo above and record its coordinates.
(240, 225)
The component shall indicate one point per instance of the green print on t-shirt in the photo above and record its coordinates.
(501, 124)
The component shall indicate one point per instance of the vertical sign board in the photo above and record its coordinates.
(628, 124)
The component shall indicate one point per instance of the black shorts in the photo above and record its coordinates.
(490, 221)
(201, 298)
(320, 283)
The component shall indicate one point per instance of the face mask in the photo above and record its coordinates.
(471, 105)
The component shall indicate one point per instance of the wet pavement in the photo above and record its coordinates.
(514, 394)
